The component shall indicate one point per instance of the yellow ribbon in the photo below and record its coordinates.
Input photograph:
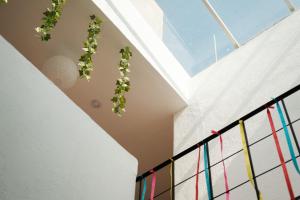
(246, 156)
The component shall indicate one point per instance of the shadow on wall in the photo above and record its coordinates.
(225, 90)
(264, 157)
(266, 66)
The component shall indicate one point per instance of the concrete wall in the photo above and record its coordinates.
(49, 148)
(247, 78)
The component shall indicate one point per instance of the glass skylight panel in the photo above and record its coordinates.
(296, 3)
(189, 31)
(196, 39)
(247, 18)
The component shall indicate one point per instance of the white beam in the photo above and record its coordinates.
(222, 24)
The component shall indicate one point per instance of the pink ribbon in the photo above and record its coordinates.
(153, 185)
(197, 174)
(224, 168)
(280, 154)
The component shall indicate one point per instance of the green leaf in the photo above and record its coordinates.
(51, 16)
(90, 47)
(119, 100)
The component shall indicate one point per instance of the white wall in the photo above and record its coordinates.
(49, 148)
(152, 14)
(247, 78)
(134, 26)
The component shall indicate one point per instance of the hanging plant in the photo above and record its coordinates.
(123, 83)
(51, 16)
(3, 1)
(90, 46)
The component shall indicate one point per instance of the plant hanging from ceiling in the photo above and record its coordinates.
(51, 16)
(50, 19)
(123, 83)
(90, 46)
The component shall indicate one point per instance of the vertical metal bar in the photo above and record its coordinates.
(215, 46)
(140, 190)
(291, 126)
(251, 162)
(221, 23)
(290, 5)
(210, 181)
(173, 180)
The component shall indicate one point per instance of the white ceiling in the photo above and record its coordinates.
(146, 129)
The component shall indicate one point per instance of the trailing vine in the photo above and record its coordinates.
(123, 83)
(90, 47)
(51, 16)
(49, 21)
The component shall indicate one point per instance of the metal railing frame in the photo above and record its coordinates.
(222, 131)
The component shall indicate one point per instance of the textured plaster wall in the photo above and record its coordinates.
(247, 78)
(49, 148)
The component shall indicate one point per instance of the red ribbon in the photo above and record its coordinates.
(224, 168)
(197, 173)
(285, 172)
(153, 185)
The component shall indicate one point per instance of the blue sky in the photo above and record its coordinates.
(189, 28)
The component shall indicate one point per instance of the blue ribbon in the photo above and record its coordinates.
(207, 172)
(144, 189)
(287, 136)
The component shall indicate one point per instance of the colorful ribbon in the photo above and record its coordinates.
(153, 185)
(197, 173)
(144, 189)
(246, 156)
(224, 168)
(285, 172)
(207, 175)
(287, 137)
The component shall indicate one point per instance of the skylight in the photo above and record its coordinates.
(248, 18)
(197, 40)
(296, 3)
